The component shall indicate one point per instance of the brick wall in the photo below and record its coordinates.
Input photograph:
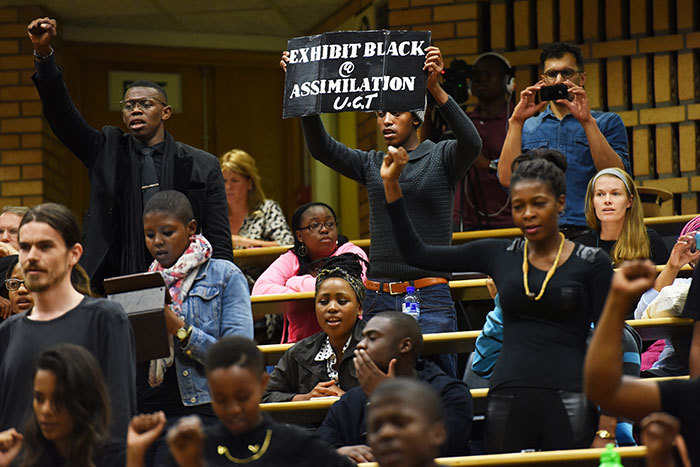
(641, 62)
(32, 162)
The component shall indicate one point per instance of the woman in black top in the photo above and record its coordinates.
(614, 214)
(70, 421)
(550, 290)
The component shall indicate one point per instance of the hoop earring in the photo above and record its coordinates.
(302, 250)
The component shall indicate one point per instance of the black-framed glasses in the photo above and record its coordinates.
(143, 104)
(13, 284)
(565, 73)
(316, 226)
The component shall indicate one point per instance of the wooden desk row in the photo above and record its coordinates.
(263, 257)
(314, 411)
(462, 290)
(463, 341)
(630, 456)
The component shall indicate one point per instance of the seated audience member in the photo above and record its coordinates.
(665, 446)
(235, 370)
(209, 300)
(391, 345)
(316, 239)
(405, 424)
(614, 215)
(20, 297)
(49, 249)
(322, 364)
(667, 298)
(254, 220)
(70, 421)
(632, 397)
(10, 217)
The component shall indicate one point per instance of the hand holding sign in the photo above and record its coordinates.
(434, 65)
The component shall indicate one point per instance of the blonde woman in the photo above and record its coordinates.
(614, 214)
(254, 220)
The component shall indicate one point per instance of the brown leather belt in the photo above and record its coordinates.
(396, 288)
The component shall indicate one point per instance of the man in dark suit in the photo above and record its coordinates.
(126, 169)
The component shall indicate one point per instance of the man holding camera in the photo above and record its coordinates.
(590, 140)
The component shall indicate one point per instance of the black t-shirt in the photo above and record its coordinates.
(99, 325)
(659, 252)
(544, 342)
(112, 453)
(277, 445)
(692, 303)
(682, 400)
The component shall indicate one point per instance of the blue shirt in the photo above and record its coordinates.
(567, 136)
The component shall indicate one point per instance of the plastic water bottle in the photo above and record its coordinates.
(610, 457)
(411, 305)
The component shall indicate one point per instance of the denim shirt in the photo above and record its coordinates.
(567, 136)
(217, 305)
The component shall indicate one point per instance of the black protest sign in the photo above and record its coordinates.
(356, 71)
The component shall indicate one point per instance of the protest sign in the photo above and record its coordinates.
(356, 71)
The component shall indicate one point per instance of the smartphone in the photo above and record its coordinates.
(697, 242)
(554, 92)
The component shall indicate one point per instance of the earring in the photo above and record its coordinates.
(302, 250)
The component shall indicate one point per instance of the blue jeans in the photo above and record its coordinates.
(437, 314)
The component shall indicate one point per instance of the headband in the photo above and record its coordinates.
(355, 282)
(615, 173)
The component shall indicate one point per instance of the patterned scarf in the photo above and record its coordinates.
(179, 279)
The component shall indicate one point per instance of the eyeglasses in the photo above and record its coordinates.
(316, 226)
(143, 104)
(13, 284)
(565, 73)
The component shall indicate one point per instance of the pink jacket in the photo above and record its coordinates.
(280, 277)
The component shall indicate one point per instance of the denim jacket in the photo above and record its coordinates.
(218, 305)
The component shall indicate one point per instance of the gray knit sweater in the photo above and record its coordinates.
(428, 184)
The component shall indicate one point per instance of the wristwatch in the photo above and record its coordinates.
(604, 434)
(183, 334)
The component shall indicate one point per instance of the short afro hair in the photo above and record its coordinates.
(142, 83)
(171, 202)
(402, 326)
(410, 392)
(235, 351)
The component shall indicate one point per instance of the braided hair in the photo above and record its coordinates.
(545, 165)
(304, 263)
(347, 266)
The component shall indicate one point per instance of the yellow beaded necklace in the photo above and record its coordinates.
(549, 275)
(257, 450)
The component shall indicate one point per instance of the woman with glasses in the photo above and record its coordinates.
(20, 298)
(316, 239)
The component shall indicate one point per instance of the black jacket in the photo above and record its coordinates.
(346, 421)
(197, 173)
(298, 373)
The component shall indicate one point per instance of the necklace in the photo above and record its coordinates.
(549, 275)
(258, 451)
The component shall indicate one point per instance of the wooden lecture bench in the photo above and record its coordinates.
(463, 341)
(263, 257)
(314, 411)
(631, 456)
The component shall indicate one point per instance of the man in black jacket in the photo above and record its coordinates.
(127, 168)
(390, 347)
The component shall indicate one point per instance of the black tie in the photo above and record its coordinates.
(149, 179)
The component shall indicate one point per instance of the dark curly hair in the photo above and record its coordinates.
(304, 263)
(545, 165)
(558, 50)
